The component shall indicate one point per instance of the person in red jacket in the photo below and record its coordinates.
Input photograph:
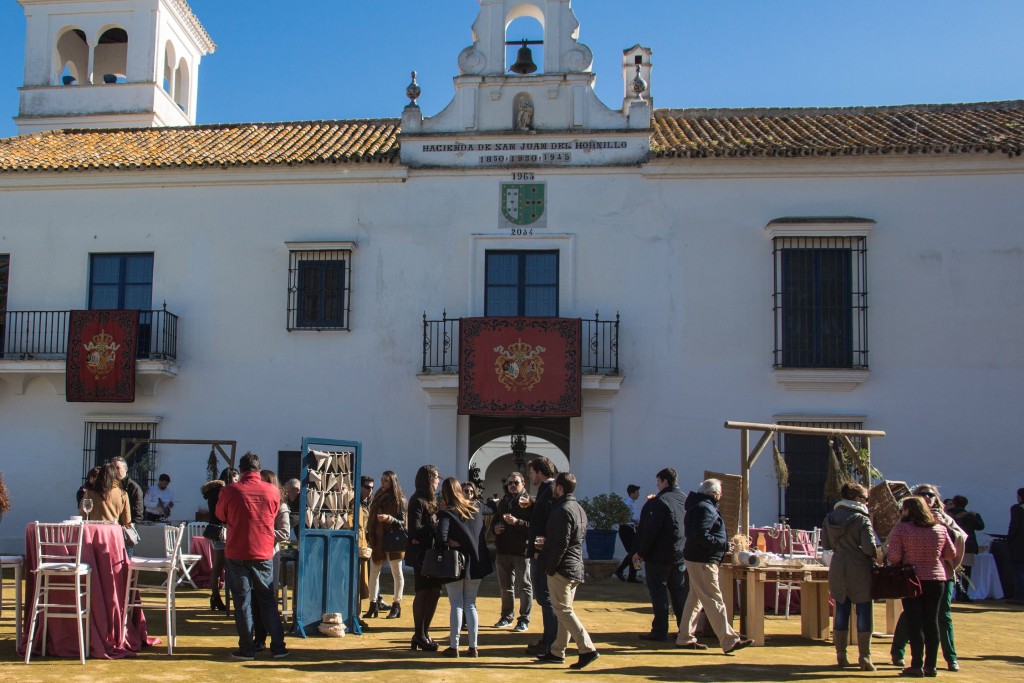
(249, 509)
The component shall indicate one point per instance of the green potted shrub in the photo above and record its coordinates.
(604, 513)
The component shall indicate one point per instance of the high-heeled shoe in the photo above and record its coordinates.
(372, 612)
(425, 645)
(216, 604)
(396, 611)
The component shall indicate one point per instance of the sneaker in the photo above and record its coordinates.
(243, 655)
(281, 654)
(584, 660)
(503, 622)
(740, 644)
(522, 625)
(953, 666)
(549, 658)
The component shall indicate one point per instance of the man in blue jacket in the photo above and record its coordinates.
(660, 547)
(702, 553)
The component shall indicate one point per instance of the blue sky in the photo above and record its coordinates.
(337, 59)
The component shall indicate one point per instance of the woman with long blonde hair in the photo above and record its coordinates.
(460, 525)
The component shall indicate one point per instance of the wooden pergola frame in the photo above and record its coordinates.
(748, 457)
(213, 443)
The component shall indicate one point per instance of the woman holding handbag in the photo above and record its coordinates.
(847, 531)
(422, 528)
(461, 526)
(930, 494)
(211, 492)
(922, 542)
(387, 538)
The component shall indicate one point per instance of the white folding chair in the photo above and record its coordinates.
(788, 586)
(168, 566)
(16, 563)
(59, 556)
(189, 560)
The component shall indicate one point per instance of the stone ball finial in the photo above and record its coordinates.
(639, 85)
(413, 91)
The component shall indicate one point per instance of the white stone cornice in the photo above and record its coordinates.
(867, 166)
(18, 373)
(805, 379)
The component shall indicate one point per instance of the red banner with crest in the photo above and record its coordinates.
(101, 356)
(519, 367)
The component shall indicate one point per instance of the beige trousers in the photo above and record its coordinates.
(705, 592)
(562, 591)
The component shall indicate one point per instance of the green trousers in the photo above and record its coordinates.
(901, 637)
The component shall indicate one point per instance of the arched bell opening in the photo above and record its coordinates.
(72, 58)
(524, 41)
(110, 57)
(170, 60)
(182, 85)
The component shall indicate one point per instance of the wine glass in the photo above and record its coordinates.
(87, 507)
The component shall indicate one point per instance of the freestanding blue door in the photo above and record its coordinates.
(328, 572)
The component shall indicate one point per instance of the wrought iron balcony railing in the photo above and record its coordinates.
(43, 335)
(600, 345)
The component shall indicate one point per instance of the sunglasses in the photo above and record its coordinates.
(928, 494)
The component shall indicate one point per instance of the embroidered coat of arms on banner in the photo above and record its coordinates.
(101, 356)
(519, 367)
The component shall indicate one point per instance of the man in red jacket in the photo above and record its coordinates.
(249, 509)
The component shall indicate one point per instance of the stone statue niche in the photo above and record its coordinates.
(522, 113)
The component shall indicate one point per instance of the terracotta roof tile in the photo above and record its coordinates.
(226, 145)
(686, 133)
(922, 129)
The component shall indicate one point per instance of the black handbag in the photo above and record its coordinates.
(395, 541)
(894, 581)
(215, 532)
(443, 563)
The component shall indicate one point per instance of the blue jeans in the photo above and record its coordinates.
(249, 581)
(665, 583)
(462, 599)
(539, 579)
(864, 617)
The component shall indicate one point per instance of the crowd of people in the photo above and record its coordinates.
(679, 540)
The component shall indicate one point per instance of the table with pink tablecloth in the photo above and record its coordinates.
(803, 545)
(103, 550)
(200, 573)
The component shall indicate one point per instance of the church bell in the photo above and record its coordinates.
(524, 61)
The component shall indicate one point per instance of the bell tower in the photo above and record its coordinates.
(494, 93)
(110, 64)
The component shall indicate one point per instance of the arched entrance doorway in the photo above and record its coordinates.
(490, 446)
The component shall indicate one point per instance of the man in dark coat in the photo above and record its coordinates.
(136, 497)
(542, 475)
(511, 527)
(660, 547)
(1015, 548)
(563, 565)
(702, 553)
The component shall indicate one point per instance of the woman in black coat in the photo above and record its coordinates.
(211, 492)
(422, 528)
(461, 526)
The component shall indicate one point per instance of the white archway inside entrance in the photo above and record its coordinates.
(495, 462)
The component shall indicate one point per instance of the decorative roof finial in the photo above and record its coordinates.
(413, 91)
(639, 84)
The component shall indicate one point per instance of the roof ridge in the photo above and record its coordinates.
(719, 112)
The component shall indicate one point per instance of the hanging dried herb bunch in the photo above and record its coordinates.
(5, 499)
(837, 474)
(781, 469)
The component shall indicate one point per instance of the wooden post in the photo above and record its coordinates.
(745, 488)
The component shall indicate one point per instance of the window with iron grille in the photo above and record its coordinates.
(820, 302)
(521, 283)
(103, 442)
(319, 287)
(807, 461)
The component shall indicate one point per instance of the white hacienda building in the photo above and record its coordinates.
(852, 267)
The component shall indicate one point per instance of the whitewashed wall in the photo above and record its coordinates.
(679, 249)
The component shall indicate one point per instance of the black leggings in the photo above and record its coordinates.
(923, 622)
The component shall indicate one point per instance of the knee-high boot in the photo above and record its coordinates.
(841, 639)
(864, 651)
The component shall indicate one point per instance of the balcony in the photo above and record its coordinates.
(600, 346)
(34, 344)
